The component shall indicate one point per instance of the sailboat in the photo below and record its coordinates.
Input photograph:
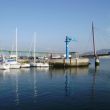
(97, 62)
(34, 64)
(25, 65)
(38, 64)
(13, 59)
(3, 65)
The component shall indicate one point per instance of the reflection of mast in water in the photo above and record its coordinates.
(4, 73)
(66, 84)
(35, 87)
(50, 73)
(17, 92)
(93, 84)
(96, 68)
(94, 81)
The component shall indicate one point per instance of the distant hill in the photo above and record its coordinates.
(102, 51)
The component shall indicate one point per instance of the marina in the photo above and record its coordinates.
(54, 55)
(70, 60)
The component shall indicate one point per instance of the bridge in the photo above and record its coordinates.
(29, 53)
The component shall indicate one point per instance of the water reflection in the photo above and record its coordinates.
(4, 73)
(67, 91)
(68, 74)
(93, 94)
(42, 69)
(93, 84)
(35, 86)
(69, 82)
(97, 68)
(72, 71)
(14, 74)
(17, 90)
(24, 70)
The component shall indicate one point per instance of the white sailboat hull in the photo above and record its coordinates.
(33, 64)
(39, 64)
(25, 65)
(42, 65)
(4, 66)
(97, 60)
(15, 66)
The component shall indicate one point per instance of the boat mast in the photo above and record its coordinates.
(93, 40)
(34, 46)
(16, 44)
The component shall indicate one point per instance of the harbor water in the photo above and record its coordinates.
(85, 88)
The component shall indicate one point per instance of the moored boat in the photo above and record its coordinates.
(25, 65)
(41, 64)
(13, 59)
(13, 64)
(4, 66)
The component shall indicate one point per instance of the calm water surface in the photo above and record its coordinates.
(56, 89)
